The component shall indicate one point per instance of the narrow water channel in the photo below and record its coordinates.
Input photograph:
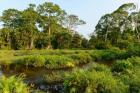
(34, 77)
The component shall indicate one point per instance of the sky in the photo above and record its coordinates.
(88, 10)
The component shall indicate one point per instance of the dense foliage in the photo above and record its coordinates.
(42, 26)
(12, 85)
(49, 26)
(113, 68)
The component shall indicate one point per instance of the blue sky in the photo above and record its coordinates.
(88, 10)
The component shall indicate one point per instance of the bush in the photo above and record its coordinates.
(105, 55)
(56, 62)
(54, 77)
(93, 82)
(123, 44)
(135, 61)
(103, 45)
(121, 66)
(35, 61)
(110, 55)
(81, 58)
(131, 77)
(99, 68)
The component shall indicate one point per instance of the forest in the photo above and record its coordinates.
(41, 51)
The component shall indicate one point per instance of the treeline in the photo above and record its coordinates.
(47, 26)
(120, 28)
(43, 26)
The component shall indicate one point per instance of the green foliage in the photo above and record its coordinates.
(102, 45)
(41, 41)
(117, 28)
(121, 66)
(55, 62)
(49, 62)
(53, 77)
(107, 55)
(42, 26)
(93, 82)
(35, 61)
(76, 41)
(129, 73)
(12, 85)
(61, 39)
(123, 44)
(81, 58)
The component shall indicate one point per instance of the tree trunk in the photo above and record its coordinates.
(30, 44)
(49, 34)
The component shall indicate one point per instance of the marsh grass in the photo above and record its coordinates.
(13, 85)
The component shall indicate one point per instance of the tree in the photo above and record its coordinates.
(102, 28)
(39, 27)
(11, 19)
(76, 41)
(62, 39)
(51, 14)
(72, 21)
(112, 26)
(41, 41)
(28, 27)
(84, 43)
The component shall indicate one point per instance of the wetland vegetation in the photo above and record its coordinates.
(40, 52)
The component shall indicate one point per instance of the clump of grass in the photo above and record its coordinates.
(55, 77)
(12, 85)
(81, 58)
(48, 62)
(54, 62)
(81, 81)
(35, 61)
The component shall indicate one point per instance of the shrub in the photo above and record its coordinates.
(123, 44)
(105, 55)
(93, 82)
(103, 45)
(54, 77)
(56, 62)
(109, 55)
(131, 79)
(99, 68)
(135, 61)
(81, 58)
(35, 61)
(120, 66)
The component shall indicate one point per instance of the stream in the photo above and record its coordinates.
(34, 77)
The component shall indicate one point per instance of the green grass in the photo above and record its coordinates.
(13, 85)
(59, 59)
(121, 77)
(53, 59)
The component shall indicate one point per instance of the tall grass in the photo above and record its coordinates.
(12, 85)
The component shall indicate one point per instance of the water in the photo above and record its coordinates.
(34, 77)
